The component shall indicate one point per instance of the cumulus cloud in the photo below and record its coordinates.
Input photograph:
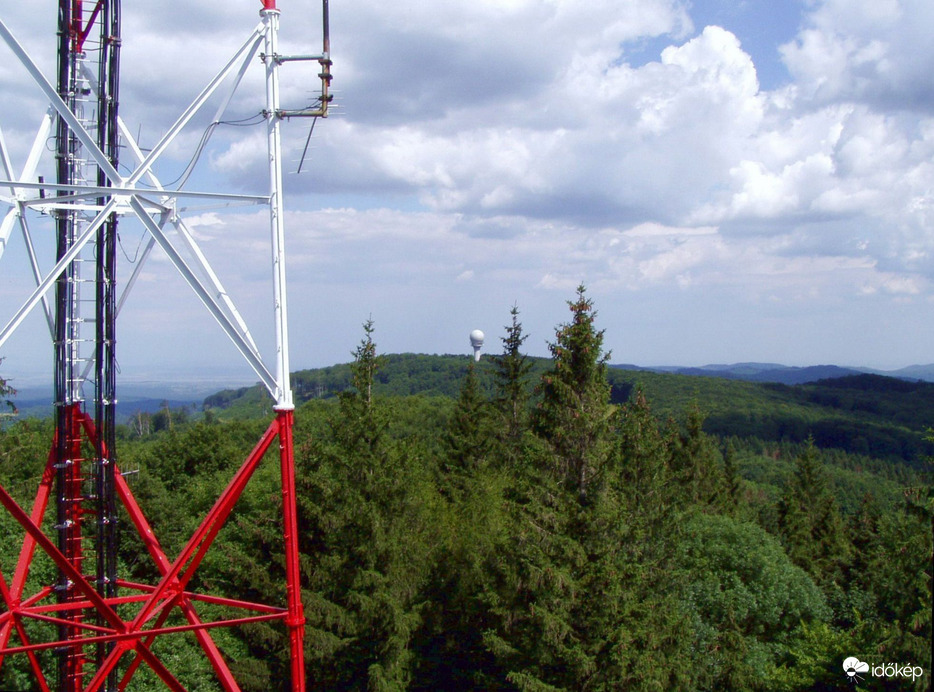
(512, 147)
(874, 52)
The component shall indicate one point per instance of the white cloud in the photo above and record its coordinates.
(509, 148)
(875, 52)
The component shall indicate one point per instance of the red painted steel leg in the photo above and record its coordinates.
(165, 596)
(70, 528)
(296, 619)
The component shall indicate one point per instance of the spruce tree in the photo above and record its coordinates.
(551, 591)
(732, 483)
(360, 424)
(467, 438)
(368, 535)
(653, 637)
(575, 415)
(585, 596)
(811, 527)
(510, 396)
(697, 463)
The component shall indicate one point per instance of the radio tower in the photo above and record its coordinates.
(102, 636)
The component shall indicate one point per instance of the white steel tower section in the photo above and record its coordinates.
(283, 395)
(161, 207)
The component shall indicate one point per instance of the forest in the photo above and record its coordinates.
(545, 524)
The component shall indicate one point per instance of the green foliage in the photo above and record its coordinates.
(810, 524)
(578, 528)
(468, 437)
(574, 415)
(698, 465)
(511, 396)
(747, 599)
(884, 419)
(459, 531)
(872, 416)
(5, 391)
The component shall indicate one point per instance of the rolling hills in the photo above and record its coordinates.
(860, 413)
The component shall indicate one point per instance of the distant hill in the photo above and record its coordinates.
(784, 374)
(868, 414)
(875, 415)
(865, 413)
(133, 398)
(912, 372)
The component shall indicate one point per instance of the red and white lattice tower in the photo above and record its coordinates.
(102, 626)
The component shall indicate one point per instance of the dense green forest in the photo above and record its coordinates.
(548, 524)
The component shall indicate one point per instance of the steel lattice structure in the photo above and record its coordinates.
(99, 646)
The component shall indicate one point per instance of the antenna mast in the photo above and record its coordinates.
(85, 320)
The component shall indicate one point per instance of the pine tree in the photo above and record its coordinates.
(575, 415)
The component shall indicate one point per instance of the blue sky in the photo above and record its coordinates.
(733, 181)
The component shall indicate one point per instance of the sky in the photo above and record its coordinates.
(732, 181)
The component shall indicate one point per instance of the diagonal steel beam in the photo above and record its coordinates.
(250, 47)
(209, 302)
(57, 270)
(18, 208)
(61, 107)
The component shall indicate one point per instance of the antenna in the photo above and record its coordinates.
(101, 637)
(476, 341)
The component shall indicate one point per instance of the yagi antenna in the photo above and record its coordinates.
(320, 110)
(324, 60)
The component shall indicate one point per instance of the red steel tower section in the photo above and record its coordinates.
(101, 626)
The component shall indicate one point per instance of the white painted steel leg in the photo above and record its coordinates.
(276, 209)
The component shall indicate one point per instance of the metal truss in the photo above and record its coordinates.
(133, 636)
(93, 617)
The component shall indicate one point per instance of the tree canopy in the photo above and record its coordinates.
(539, 524)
